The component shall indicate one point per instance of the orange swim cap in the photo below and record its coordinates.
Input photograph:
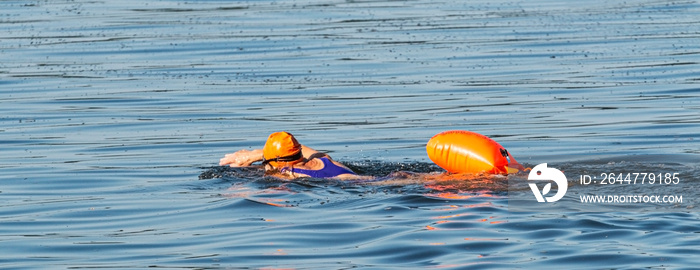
(281, 147)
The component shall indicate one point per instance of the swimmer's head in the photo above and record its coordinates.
(281, 147)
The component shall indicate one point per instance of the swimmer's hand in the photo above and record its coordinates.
(242, 158)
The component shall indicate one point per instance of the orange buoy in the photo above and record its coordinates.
(460, 151)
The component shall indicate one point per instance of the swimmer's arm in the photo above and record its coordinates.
(242, 158)
(309, 152)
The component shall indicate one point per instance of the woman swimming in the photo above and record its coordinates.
(456, 151)
(285, 157)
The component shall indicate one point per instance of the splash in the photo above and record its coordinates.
(419, 178)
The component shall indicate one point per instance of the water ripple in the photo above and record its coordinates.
(111, 109)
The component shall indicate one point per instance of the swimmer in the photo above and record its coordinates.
(283, 156)
(456, 151)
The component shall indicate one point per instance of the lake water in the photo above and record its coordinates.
(115, 114)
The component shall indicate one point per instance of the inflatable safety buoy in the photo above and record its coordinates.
(460, 151)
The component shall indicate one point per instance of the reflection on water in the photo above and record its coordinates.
(473, 228)
(110, 110)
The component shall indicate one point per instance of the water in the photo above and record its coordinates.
(111, 112)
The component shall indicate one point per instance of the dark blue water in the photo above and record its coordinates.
(114, 115)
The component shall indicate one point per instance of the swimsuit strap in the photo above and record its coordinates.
(329, 170)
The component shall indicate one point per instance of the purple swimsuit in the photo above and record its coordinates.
(329, 170)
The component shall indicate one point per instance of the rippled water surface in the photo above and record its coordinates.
(115, 113)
